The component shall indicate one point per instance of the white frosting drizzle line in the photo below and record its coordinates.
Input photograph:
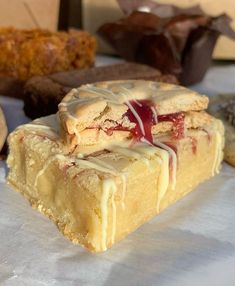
(140, 122)
(46, 165)
(129, 152)
(48, 130)
(138, 103)
(154, 114)
(98, 90)
(132, 109)
(87, 163)
(174, 161)
(163, 181)
(114, 189)
(218, 155)
(107, 187)
(102, 163)
(124, 188)
(164, 152)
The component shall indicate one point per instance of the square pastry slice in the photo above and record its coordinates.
(110, 161)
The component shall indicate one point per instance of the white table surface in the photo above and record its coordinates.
(191, 243)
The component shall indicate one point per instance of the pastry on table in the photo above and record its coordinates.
(26, 53)
(3, 129)
(116, 154)
(44, 93)
(223, 107)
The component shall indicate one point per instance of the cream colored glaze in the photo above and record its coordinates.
(107, 187)
(46, 165)
(46, 129)
(124, 188)
(174, 161)
(130, 153)
(219, 154)
(164, 178)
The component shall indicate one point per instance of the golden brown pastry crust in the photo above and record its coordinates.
(26, 53)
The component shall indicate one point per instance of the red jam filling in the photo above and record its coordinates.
(144, 115)
(178, 123)
(145, 111)
(193, 144)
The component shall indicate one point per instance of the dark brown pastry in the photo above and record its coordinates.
(174, 40)
(12, 87)
(43, 94)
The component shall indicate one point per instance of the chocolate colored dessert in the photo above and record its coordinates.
(175, 40)
(42, 94)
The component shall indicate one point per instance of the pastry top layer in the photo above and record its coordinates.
(93, 104)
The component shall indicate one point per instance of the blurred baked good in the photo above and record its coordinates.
(223, 107)
(3, 129)
(43, 94)
(26, 53)
(117, 154)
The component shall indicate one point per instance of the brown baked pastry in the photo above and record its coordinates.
(43, 94)
(3, 129)
(223, 107)
(128, 150)
(26, 53)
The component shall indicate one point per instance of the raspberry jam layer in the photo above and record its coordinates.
(144, 114)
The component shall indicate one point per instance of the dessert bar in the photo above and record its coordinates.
(115, 155)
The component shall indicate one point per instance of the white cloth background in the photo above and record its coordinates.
(191, 243)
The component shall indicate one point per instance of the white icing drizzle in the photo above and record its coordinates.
(129, 152)
(163, 181)
(78, 136)
(102, 163)
(114, 189)
(173, 156)
(154, 114)
(138, 103)
(101, 92)
(46, 165)
(114, 172)
(87, 163)
(124, 188)
(47, 129)
(108, 187)
(218, 155)
(174, 161)
(140, 122)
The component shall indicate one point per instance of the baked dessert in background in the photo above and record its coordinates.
(43, 94)
(3, 129)
(26, 53)
(11, 87)
(116, 154)
(175, 40)
(223, 107)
